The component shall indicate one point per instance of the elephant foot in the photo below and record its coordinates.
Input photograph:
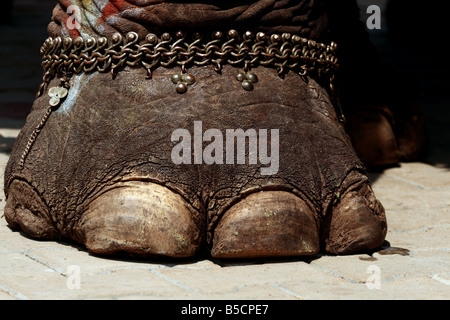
(333, 207)
(267, 224)
(141, 218)
(373, 136)
(382, 137)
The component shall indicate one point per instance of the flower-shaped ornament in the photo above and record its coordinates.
(56, 94)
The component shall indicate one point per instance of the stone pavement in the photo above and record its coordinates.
(413, 264)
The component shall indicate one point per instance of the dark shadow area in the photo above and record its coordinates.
(12, 123)
(6, 144)
(250, 261)
(23, 29)
(409, 42)
(6, 12)
(200, 256)
(13, 111)
(203, 255)
(374, 175)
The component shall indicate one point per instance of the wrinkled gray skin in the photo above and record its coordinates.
(101, 173)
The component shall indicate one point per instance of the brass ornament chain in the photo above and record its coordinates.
(283, 52)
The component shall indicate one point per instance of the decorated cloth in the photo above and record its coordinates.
(102, 17)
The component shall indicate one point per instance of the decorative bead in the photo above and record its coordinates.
(166, 37)
(247, 79)
(132, 36)
(285, 36)
(117, 37)
(90, 41)
(176, 78)
(275, 38)
(247, 85)
(102, 41)
(248, 35)
(252, 77)
(180, 34)
(296, 39)
(197, 36)
(232, 33)
(217, 35)
(181, 87)
(241, 77)
(260, 36)
(182, 81)
(189, 78)
(151, 38)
